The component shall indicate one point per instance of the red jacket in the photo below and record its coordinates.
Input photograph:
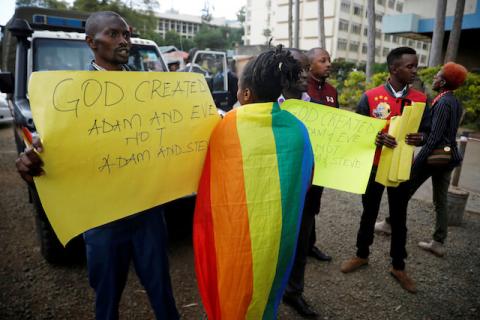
(380, 103)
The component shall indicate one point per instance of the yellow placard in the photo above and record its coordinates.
(343, 144)
(395, 164)
(117, 143)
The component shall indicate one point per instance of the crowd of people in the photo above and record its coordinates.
(274, 76)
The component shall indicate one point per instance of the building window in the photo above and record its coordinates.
(184, 28)
(425, 46)
(343, 25)
(404, 41)
(378, 34)
(419, 45)
(356, 28)
(399, 7)
(160, 25)
(378, 17)
(354, 46)
(387, 37)
(377, 51)
(410, 43)
(364, 48)
(357, 9)
(385, 51)
(391, 4)
(342, 44)
(423, 59)
(395, 39)
(345, 6)
(381, 2)
(365, 31)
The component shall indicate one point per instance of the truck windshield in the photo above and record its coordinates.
(145, 58)
(60, 54)
(64, 54)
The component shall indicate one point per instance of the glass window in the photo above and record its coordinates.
(391, 4)
(378, 33)
(395, 39)
(364, 48)
(404, 41)
(387, 37)
(343, 25)
(356, 28)
(145, 58)
(160, 25)
(61, 54)
(357, 10)
(378, 17)
(377, 51)
(410, 43)
(365, 31)
(425, 46)
(354, 46)
(342, 44)
(381, 2)
(423, 59)
(345, 6)
(385, 51)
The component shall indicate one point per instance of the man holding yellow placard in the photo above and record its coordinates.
(385, 102)
(141, 237)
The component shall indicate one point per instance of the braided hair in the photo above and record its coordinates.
(270, 73)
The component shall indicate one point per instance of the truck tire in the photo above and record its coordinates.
(50, 247)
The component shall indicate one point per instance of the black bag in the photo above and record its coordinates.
(440, 157)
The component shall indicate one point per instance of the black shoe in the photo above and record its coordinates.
(301, 306)
(319, 255)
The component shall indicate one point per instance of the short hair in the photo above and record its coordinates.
(96, 19)
(454, 74)
(396, 54)
(313, 52)
(270, 73)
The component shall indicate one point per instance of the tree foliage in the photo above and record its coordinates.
(51, 4)
(353, 88)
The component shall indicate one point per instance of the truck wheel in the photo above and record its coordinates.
(50, 247)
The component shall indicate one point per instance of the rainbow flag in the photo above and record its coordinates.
(248, 211)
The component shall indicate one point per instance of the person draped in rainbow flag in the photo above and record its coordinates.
(251, 195)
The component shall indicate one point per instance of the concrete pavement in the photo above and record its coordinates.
(469, 176)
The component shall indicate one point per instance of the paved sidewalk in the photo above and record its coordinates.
(469, 177)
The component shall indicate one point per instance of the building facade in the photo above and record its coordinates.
(418, 21)
(187, 25)
(345, 27)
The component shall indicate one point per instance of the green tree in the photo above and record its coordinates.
(51, 4)
(353, 88)
(340, 69)
(241, 15)
(208, 37)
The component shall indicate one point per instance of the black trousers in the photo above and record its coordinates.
(397, 203)
(306, 235)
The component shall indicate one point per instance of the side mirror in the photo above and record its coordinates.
(6, 82)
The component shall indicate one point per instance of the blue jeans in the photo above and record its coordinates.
(110, 248)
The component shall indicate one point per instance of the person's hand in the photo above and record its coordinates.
(415, 139)
(384, 139)
(29, 164)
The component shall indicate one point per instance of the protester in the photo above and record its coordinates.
(446, 112)
(320, 91)
(293, 295)
(141, 237)
(384, 102)
(249, 203)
